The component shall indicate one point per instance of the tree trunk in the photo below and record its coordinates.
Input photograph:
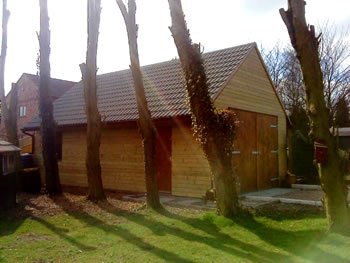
(48, 125)
(5, 18)
(11, 118)
(9, 115)
(146, 126)
(11, 128)
(306, 44)
(93, 136)
(215, 131)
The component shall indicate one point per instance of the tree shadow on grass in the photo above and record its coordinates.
(216, 240)
(292, 242)
(220, 242)
(8, 226)
(126, 235)
(302, 244)
(281, 212)
(63, 234)
(13, 224)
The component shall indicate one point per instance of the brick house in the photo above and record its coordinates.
(28, 103)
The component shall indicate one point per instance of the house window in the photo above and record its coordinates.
(5, 164)
(22, 111)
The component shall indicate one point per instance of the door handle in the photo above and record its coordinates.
(236, 152)
(275, 151)
(255, 152)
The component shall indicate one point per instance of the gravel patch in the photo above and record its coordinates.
(41, 205)
(74, 200)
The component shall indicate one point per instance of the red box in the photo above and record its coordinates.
(321, 151)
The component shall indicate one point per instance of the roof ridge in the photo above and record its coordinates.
(217, 50)
(177, 59)
(34, 75)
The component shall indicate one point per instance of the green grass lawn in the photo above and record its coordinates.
(295, 234)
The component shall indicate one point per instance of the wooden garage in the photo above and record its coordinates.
(237, 80)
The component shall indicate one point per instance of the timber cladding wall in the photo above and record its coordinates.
(121, 159)
(251, 90)
(190, 169)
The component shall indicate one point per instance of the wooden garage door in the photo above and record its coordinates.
(255, 154)
(267, 147)
(244, 162)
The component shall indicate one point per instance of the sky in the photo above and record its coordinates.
(215, 24)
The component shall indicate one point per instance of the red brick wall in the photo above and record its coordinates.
(28, 96)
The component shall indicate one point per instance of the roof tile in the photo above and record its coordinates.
(163, 86)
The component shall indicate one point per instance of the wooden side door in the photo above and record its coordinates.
(243, 159)
(163, 155)
(267, 150)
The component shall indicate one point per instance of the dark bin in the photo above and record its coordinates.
(27, 161)
(30, 175)
(7, 191)
(30, 180)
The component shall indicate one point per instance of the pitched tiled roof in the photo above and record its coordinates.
(58, 86)
(163, 85)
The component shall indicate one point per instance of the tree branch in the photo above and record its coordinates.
(123, 10)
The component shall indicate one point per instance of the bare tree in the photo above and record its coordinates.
(48, 125)
(214, 130)
(275, 61)
(146, 126)
(306, 46)
(8, 110)
(334, 52)
(93, 137)
(292, 88)
(286, 76)
(4, 109)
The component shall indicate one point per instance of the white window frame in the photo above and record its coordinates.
(5, 164)
(22, 111)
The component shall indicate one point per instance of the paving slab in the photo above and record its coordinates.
(306, 186)
(252, 200)
(271, 192)
(142, 198)
(195, 203)
(261, 198)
